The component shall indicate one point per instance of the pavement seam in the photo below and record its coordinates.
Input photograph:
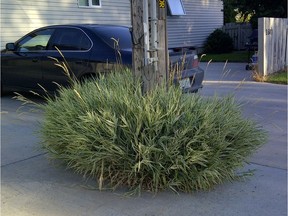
(19, 161)
(283, 169)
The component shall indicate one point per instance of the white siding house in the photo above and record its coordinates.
(202, 18)
(19, 17)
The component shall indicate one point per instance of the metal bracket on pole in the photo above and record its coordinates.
(146, 31)
(154, 34)
(150, 33)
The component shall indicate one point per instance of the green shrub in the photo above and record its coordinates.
(218, 42)
(106, 129)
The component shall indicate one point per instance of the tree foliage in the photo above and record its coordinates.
(229, 11)
(258, 8)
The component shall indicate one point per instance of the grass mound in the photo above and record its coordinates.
(106, 129)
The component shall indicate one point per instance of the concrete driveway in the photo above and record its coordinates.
(31, 185)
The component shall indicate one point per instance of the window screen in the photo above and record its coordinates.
(176, 7)
(83, 2)
(89, 3)
(95, 2)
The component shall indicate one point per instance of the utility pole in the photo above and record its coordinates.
(149, 59)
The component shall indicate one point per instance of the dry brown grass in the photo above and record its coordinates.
(257, 76)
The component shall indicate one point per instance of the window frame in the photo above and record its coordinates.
(170, 6)
(90, 5)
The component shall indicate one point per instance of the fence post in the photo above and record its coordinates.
(272, 45)
(261, 47)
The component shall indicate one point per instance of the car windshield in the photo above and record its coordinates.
(115, 35)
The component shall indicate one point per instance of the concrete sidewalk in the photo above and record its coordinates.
(31, 185)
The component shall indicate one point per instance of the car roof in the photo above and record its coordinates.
(87, 25)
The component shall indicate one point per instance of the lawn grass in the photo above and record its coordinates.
(236, 56)
(278, 78)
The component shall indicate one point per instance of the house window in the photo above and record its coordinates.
(176, 7)
(89, 3)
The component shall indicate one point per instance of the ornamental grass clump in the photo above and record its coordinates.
(107, 130)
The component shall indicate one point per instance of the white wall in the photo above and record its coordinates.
(19, 17)
(201, 19)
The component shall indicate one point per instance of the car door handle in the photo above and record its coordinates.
(35, 60)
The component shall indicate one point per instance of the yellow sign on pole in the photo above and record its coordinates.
(162, 3)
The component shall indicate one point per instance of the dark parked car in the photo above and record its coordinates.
(89, 50)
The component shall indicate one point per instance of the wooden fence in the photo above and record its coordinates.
(240, 33)
(272, 45)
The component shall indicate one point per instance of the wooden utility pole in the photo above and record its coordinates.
(149, 58)
(137, 38)
(163, 56)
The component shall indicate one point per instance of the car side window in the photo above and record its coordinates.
(71, 39)
(36, 41)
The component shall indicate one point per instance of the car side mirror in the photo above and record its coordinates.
(10, 46)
